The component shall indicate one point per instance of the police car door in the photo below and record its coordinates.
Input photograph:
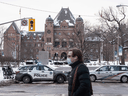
(114, 71)
(46, 73)
(35, 72)
(102, 73)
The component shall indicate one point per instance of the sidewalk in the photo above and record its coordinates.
(92, 95)
(28, 94)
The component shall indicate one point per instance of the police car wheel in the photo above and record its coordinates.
(26, 79)
(60, 79)
(92, 78)
(124, 79)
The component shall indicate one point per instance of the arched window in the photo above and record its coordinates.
(57, 43)
(71, 44)
(64, 44)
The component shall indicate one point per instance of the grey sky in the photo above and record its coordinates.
(87, 8)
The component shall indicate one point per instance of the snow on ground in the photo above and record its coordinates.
(1, 74)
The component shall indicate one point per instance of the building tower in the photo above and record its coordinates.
(79, 31)
(48, 35)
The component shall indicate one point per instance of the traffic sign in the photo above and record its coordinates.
(24, 23)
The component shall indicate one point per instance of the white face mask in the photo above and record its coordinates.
(69, 61)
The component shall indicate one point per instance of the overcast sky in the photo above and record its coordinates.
(88, 9)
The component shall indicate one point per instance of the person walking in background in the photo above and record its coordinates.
(79, 80)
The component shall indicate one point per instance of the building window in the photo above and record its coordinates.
(41, 45)
(49, 55)
(38, 45)
(68, 33)
(57, 44)
(48, 39)
(49, 48)
(71, 44)
(59, 33)
(42, 40)
(64, 44)
(55, 33)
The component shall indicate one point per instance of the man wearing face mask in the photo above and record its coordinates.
(82, 84)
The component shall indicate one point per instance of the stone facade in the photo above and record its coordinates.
(12, 41)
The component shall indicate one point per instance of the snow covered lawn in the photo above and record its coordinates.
(1, 74)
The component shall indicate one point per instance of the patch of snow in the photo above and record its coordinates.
(70, 24)
(56, 22)
(1, 74)
(66, 11)
(24, 33)
(72, 17)
(13, 27)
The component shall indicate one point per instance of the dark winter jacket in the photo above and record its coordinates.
(82, 83)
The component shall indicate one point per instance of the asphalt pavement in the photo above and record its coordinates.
(100, 88)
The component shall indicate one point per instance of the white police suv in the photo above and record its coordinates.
(110, 72)
(30, 73)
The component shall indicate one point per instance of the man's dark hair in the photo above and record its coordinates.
(78, 53)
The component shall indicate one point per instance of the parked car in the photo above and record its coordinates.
(110, 72)
(30, 73)
(29, 62)
(58, 63)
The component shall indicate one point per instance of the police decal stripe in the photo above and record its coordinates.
(40, 75)
(111, 76)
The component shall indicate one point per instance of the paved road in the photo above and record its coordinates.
(100, 88)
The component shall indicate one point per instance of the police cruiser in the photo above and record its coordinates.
(110, 72)
(30, 73)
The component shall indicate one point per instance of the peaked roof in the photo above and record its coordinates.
(15, 28)
(64, 14)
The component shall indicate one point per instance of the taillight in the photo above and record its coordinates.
(17, 72)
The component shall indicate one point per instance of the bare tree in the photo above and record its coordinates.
(114, 19)
(79, 39)
(1, 43)
(2, 29)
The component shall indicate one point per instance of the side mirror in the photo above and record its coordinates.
(50, 69)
